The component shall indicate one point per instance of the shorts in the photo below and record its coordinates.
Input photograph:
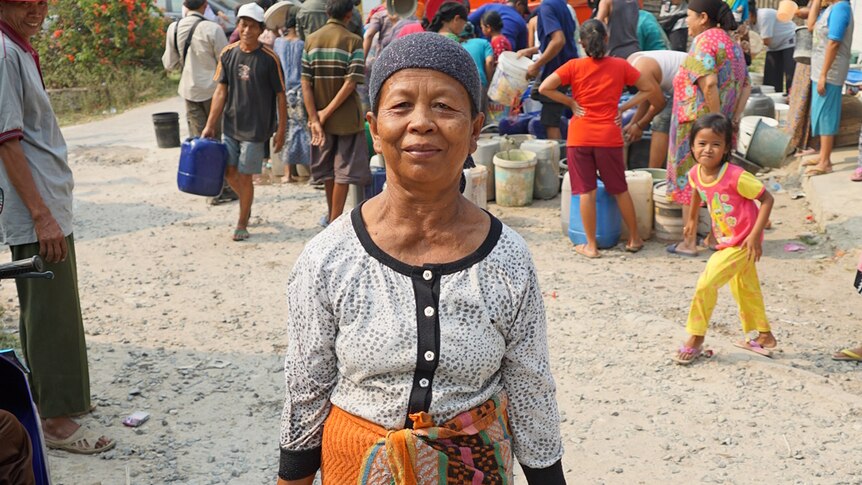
(552, 112)
(825, 110)
(343, 158)
(608, 161)
(246, 156)
(661, 121)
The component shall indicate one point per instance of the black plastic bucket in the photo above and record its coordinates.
(167, 127)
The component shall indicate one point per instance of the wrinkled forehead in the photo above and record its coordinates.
(412, 80)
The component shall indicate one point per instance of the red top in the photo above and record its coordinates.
(597, 86)
(500, 44)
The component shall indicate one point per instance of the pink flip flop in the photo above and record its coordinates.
(696, 353)
(753, 346)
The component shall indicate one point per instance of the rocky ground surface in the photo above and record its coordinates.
(188, 326)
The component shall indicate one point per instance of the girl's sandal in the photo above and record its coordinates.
(696, 353)
(753, 346)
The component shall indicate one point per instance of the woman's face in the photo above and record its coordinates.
(697, 23)
(456, 25)
(424, 129)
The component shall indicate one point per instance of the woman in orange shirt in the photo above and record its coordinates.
(595, 139)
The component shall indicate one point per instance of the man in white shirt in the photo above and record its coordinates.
(780, 41)
(197, 55)
(194, 44)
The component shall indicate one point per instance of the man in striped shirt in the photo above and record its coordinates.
(332, 65)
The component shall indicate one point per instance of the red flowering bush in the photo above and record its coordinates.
(87, 38)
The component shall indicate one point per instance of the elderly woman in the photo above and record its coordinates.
(832, 32)
(418, 349)
(712, 79)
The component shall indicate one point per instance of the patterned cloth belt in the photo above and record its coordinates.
(472, 448)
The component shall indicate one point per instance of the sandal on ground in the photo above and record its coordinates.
(847, 355)
(633, 249)
(672, 249)
(857, 175)
(582, 250)
(814, 171)
(241, 235)
(83, 442)
(753, 346)
(696, 353)
(810, 162)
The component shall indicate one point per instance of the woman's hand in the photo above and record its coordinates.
(577, 110)
(821, 85)
(753, 246)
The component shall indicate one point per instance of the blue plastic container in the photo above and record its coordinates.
(608, 220)
(378, 179)
(518, 126)
(202, 165)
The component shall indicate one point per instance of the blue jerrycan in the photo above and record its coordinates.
(608, 220)
(202, 165)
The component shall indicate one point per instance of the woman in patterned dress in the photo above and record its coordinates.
(297, 146)
(712, 79)
(417, 336)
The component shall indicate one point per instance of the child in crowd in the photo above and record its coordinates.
(250, 86)
(595, 140)
(298, 143)
(729, 193)
(854, 355)
(492, 29)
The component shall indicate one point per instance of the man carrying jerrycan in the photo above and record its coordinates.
(193, 45)
(250, 82)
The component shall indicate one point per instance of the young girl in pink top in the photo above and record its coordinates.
(854, 355)
(729, 193)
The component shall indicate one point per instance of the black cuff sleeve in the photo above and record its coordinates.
(294, 465)
(552, 475)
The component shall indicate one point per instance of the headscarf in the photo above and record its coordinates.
(427, 50)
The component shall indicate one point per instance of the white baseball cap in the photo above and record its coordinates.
(252, 11)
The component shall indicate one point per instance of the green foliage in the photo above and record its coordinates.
(95, 39)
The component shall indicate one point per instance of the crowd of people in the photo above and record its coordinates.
(309, 90)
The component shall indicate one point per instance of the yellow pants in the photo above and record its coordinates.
(728, 265)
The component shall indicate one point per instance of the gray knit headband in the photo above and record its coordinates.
(426, 50)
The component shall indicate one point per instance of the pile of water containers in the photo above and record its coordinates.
(514, 170)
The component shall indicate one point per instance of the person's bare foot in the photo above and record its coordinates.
(634, 245)
(587, 252)
(62, 427)
(690, 348)
(766, 340)
(854, 355)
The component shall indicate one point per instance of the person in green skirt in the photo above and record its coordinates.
(36, 218)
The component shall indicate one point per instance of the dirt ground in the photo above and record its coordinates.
(189, 326)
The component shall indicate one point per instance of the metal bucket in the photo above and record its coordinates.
(769, 146)
(804, 45)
